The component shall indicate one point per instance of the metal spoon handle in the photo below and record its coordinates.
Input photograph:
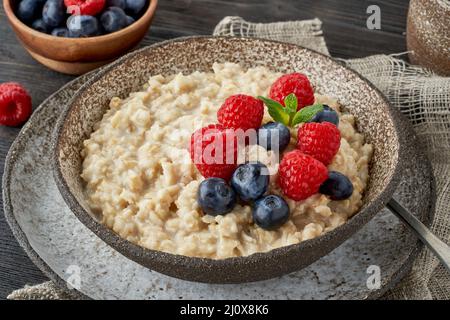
(439, 248)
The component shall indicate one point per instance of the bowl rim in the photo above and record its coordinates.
(136, 252)
(16, 22)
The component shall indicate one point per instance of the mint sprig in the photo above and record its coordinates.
(288, 115)
(306, 114)
(291, 104)
(276, 110)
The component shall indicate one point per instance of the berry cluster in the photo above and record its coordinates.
(79, 18)
(302, 172)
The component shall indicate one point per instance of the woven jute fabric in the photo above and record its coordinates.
(425, 99)
(307, 33)
(421, 95)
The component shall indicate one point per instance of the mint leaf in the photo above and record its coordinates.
(306, 114)
(276, 110)
(291, 104)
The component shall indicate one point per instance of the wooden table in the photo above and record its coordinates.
(344, 25)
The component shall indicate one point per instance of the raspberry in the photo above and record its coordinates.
(84, 7)
(13, 86)
(319, 140)
(300, 175)
(214, 151)
(296, 83)
(241, 112)
(15, 104)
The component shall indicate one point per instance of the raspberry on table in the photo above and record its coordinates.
(319, 140)
(300, 176)
(12, 85)
(15, 104)
(241, 112)
(296, 83)
(213, 150)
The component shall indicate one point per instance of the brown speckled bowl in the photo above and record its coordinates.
(375, 118)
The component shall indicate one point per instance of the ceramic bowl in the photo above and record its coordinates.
(375, 118)
(78, 55)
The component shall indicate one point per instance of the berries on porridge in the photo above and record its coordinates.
(319, 140)
(326, 115)
(337, 186)
(300, 175)
(296, 83)
(216, 197)
(241, 111)
(161, 182)
(250, 180)
(270, 212)
(214, 151)
(274, 136)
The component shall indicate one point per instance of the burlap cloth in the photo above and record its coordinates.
(422, 96)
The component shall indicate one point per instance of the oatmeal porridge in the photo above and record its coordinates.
(139, 175)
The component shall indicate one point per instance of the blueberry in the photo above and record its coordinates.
(216, 197)
(130, 20)
(276, 131)
(327, 114)
(29, 10)
(116, 3)
(61, 32)
(134, 7)
(337, 186)
(83, 26)
(250, 180)
(113, 19)
(39, 25)
(54, 13)
(270, 212)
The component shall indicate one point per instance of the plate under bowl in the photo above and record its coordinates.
(375, 118)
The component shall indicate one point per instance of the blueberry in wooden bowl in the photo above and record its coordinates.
(76, 36)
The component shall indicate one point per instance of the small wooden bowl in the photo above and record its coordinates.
(78, 55)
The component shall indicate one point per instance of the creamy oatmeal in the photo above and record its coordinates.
(139, 175)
